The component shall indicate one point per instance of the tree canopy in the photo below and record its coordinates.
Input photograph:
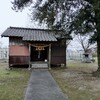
(67, 15)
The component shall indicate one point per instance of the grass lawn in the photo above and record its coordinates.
(13, 83)
(77, 81)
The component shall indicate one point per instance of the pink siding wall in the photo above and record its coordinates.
(17, 50)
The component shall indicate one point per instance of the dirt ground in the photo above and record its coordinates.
(82, 80)
(77, 82)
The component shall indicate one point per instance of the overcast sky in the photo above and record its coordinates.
(8, 18)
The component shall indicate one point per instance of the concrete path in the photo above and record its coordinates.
(42, 86)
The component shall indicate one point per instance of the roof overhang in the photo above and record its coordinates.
(29, 34)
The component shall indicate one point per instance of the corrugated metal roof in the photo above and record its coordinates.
(29, 34)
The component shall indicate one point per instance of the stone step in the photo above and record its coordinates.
(40, 65)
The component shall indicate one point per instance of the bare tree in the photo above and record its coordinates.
(67, 43)
(84, 41)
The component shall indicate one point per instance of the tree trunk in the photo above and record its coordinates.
(97, 20)
(97, 73)
(98, 53)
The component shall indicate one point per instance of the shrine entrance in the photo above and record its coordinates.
(39, 53)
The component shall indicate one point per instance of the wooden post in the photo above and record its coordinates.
(49, 56)
(29, 56)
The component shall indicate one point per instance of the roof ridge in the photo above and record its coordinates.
(32, 29)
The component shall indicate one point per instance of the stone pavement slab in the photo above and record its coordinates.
(42, 86)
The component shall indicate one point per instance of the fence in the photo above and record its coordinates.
(4, 53)
(74, 55)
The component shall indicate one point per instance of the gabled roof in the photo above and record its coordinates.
(29, 34)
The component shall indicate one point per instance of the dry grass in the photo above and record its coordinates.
(77, 81)
(12, 82)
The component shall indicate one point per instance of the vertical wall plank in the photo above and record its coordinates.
(49, 56)
(29, 56)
